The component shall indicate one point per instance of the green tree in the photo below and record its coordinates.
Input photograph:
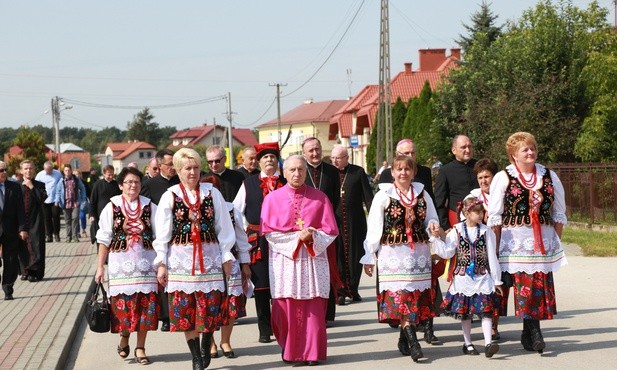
(482, 22)
(33, 148)
(399, 111)
(143, 128)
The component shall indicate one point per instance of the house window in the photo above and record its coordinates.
(149, 154)
(141, 155)
(216, 140)
(176, 142)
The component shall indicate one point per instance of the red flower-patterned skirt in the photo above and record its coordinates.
(199, 311)
(463, 307)
(534, 296)
(135, 312)
(236, 308)
(501, 303)
(417, 305)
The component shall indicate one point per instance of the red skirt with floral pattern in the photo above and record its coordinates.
(135, 312)
(199, 311)
(416, 305)
(534, 296)
(236, 308)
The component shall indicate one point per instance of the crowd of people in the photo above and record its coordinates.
(187, 245)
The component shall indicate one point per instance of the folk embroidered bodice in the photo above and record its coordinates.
(181, 232)
(519, 202)
(394, 228)
(464, 256)
(123, 231)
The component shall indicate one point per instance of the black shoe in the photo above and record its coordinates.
(24, 277)
(415, 350)
(165, 325)
(33, 279)
(68, 240)
(403, 344)
(491, 349)
(48, 239)
(206, 356)
(526, 340)
(311, 363)
(355, 297)
(470, 350)
(265, 339)
(8, 297)
(340, 300)
(57, 238)
(537, 341)
(496, 336)
(229, 354)
(429, 334)
(196, 353)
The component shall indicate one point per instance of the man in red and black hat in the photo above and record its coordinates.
(248, 201)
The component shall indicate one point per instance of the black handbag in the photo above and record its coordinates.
(97, 312)
(506, 279)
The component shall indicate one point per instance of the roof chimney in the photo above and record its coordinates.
(431, 59)
(455, 53)
(408, 68)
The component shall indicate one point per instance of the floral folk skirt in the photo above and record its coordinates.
(501, 306)
(417, 306)
(534, 296)
(463, 307)
(199, 311)
(236, 308)
(135, 312)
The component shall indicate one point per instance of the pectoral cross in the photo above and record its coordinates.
(300, 223)
(342, 192)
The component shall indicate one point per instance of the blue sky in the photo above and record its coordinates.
(152, 53)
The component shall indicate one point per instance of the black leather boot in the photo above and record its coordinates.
(206, 341)
(414, 346)
(403, 344)
(195, 352)
(526, 336)
(537, 341)
(429, 335)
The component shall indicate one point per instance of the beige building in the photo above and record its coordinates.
(311, 119)
(120, 155)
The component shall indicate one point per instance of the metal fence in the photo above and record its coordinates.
(591, 190)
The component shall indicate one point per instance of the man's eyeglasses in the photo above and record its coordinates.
(215, 161)
(338, 158)
(2, 170)
(170, 164)
(131, 183)
(407, 154)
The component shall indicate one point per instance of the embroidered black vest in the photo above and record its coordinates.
(517, 203)
(234, 249)
(181, 231)
(119, 236)
(463, 256)
(394, 223)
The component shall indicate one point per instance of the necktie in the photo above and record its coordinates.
(1, 196)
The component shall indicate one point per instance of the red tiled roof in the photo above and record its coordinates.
(406, 84)
(123, 150)
(309, 112)
(196, 134)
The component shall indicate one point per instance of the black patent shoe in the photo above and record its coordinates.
(537, 341)
(403, 346)
(491, 349)
(265, 339)
(470, 350)
(165, 325)
(526, 340)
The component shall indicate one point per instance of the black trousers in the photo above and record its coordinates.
(51, 214)
(10, 262)
(331, 308)
(262, 306)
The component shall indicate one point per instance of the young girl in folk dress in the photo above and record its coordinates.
(474, 274)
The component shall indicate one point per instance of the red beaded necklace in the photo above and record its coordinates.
(529, 184)
(195, 216)
(405, 201)
(131, 214)
(410, 215)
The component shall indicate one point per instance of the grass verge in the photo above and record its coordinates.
(592, 243)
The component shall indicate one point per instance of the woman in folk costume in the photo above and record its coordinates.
(527, 211)
(397, 241)
(237, 282)
(474, 276)
(193, 246)
(125, 237)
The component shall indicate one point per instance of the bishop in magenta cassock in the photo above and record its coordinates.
(298, 222)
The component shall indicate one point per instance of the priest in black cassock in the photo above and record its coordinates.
(323, 176)
(249, 162)
(32, 251)
(102, 191)
(231, 180)
(407, 147)
(355, 192)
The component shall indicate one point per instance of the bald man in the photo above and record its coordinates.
(407, 147)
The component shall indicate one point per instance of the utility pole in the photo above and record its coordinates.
(278, 110)
(230, 134)
(384, 107)
(55, 118)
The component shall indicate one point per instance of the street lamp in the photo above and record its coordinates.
(57, 105)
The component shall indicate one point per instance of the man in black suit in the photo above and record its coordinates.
(423, 175)
(231, 180)
(12, 227)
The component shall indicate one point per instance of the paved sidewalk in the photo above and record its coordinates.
(38, 327)
(43, 328)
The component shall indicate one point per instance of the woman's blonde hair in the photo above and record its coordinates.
(516, 140)
(184, 155)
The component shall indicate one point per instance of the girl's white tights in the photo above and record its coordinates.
(487, 324)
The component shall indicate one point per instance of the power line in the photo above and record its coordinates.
(355, 16)
(162, 106)
(260, 117)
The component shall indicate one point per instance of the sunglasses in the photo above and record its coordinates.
(215, 161)
(2, 170)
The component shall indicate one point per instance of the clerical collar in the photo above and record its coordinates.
(220, 173)
(314, 166)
